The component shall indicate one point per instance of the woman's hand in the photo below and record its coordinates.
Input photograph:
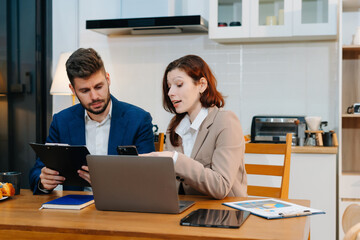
(159, 154)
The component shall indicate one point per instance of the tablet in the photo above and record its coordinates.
(65, 159)
(215, 218)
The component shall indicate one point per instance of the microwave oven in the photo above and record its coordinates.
(273, 129)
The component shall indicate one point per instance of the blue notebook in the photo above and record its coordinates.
(75, 202)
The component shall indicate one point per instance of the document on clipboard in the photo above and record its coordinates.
(270, 208)
(65, 159)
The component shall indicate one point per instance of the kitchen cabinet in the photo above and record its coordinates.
(227, 11)
(313, 176)
(315, 18)
(272, 20)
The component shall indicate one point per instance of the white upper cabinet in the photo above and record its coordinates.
(269, 20)
(229, 19)
(315, 18)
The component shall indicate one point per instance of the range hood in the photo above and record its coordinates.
(152, 25)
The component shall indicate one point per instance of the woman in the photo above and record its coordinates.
(205, 141)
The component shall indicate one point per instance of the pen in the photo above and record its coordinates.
(296, 214)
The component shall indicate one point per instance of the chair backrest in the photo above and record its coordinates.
(351, 221)
(159, 142)
(271, 170)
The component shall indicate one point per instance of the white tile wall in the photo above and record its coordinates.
(284, 79)
(298, 78)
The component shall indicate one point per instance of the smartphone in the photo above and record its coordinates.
(215, 218)
(127, 150)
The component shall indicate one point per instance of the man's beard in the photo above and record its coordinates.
(97, 111)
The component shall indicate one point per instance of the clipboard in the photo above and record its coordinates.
(271, 208)
(65, 159)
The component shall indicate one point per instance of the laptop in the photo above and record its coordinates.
(135, 184)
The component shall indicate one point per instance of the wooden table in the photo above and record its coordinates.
(20, 218)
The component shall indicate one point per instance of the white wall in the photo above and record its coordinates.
(65, 39)
(265, 78)
(351, 20)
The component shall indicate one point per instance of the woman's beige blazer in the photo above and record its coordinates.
(216, 166)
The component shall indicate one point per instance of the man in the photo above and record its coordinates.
(100, 121)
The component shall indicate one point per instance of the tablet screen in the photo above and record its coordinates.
(215, 218)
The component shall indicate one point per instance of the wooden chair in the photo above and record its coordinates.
(159, 142)
(351, 222)
(270, 170)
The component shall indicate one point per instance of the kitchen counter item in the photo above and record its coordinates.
(310, 139)
(313, 123)
(301, 134)
(273, 129)
(235, 24)
(334, 139)
(314, 138)
(327, 138)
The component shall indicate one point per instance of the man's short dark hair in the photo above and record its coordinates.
(83, 63)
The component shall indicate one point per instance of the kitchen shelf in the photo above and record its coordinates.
(351, 174)
(351, 52)
(351, 115)
(351, 47)
(350, 5)
(350, 127)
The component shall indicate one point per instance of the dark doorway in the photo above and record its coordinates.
(25, 70)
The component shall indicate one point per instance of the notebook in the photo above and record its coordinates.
(135, 183)
(72, 201)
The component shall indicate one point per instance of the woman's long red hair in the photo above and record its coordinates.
(196, 68)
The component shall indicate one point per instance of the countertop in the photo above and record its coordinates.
(314, 150)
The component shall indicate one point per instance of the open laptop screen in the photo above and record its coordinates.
(134, 183)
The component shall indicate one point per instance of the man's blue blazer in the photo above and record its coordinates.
(130, 125)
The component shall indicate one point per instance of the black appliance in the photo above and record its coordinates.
(149, 25)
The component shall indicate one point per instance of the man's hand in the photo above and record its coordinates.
(85, 174)
(49, 178)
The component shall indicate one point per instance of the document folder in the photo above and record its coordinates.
(273, 208)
